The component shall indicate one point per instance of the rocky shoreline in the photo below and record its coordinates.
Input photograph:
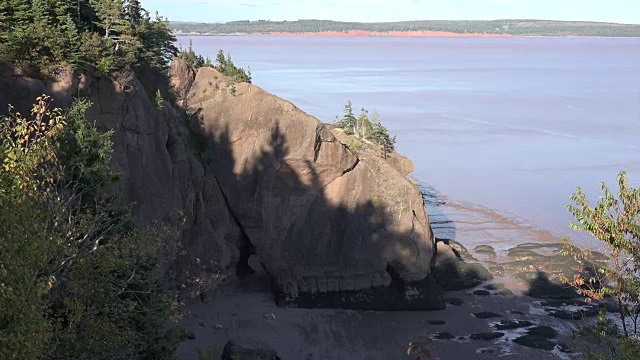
(337, 235)
(502, 300)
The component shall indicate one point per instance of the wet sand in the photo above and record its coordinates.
(239, 309)
(245, 308)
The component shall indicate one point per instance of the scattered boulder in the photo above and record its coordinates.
(494, 287)
(496, 270)
(543, 288)
(461, 251)
(520, 266)
(443, 336)
(544, 331)
(565, 302)
(454, 301)
(485, 250)
(486, 350)
(452, 273)
(574, 315)
(564, 347)
(248, 349)
(486, 336)
(571, 309)
(512, 324)
(535, 342)
(524, 255)
(568, 268)
(506, 293)
(486, 315)
(436, 322)
(539, 246)
(481, 293)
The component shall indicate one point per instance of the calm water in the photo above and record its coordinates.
(512, 124)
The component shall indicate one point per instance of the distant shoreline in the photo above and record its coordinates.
(360, 33)
(403, 34)
(420, 28)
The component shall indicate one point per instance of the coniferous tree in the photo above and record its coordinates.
(72, 38)
(221, 61)
(133, 12)
(380, 135)
(110, 15)
(363, 125)
(348, 121)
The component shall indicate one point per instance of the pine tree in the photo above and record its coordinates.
(348, 121)
(133, 12)
(84, 15)
(19, 14)
(72, 39)
(110, 15)
(221, 62)
(61, 8)
(4, 22)
(363, 125)
(380, 135)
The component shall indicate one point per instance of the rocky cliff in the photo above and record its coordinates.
(256, 184)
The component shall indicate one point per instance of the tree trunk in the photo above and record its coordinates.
(622, 317)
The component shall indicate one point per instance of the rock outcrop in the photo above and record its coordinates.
(330, 227)
(257, 183)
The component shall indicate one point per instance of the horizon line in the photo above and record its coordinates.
(399, 21)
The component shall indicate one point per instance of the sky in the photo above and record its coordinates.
(622, 11)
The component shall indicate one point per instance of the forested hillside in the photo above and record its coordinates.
(79, 278)
(509, 27)
(107, 35)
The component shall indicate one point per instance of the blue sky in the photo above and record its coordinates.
(624, 11)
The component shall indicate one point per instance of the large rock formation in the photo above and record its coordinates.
(256, 182)
(331, 228)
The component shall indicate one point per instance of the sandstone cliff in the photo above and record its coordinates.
(261, 186)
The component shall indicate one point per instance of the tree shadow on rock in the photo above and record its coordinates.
(328, 237)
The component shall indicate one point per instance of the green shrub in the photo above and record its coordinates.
(78, 279)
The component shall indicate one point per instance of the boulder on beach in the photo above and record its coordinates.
(453, 273)
(248, 349)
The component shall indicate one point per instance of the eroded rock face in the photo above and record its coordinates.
(332, 229)
(263, 186)
(162, 179)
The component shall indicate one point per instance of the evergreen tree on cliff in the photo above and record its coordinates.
(348, 121)
(133, 12)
